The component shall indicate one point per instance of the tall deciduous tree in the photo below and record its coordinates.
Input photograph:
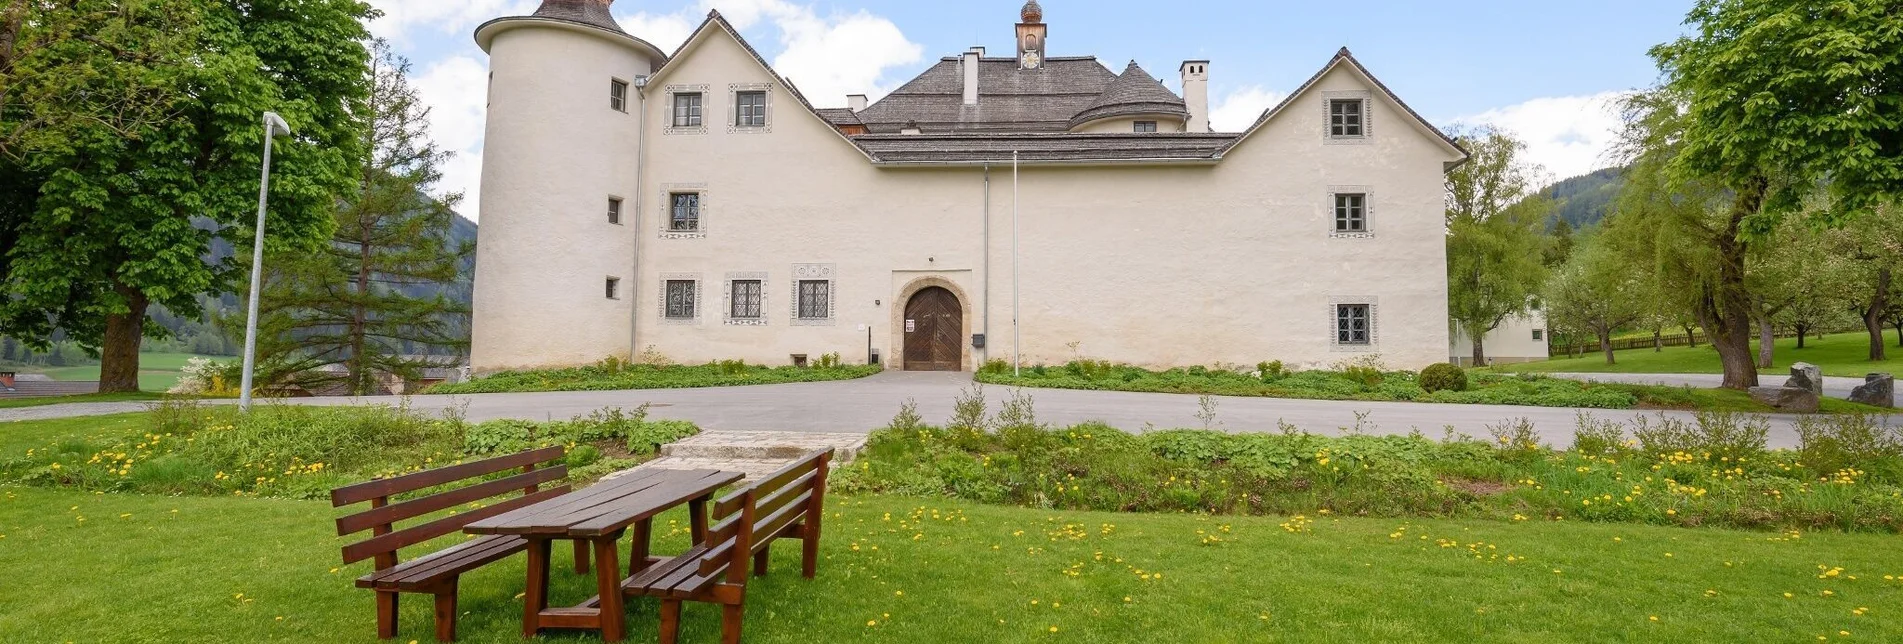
(361, 299)
(1871, 248)
(1494, 226)
(1767, 100)
(140, 202)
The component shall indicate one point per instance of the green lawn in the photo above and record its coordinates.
(157, 371)
(141, 396)
(18, 436)
(129, 568)
(1844, 354)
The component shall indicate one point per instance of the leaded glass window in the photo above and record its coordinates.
(680, 299)
(745, 301)
(1344, 117)
(684, 213)
(816, 298)
(1352, 324)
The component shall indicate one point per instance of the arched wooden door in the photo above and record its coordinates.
(934, 326)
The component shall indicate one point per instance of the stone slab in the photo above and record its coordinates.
(1790, 399)
(1879, 389)
(1808, 377)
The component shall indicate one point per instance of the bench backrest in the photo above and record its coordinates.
(751, 517)
(379, 519)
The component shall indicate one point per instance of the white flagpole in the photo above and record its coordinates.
(1017, 358)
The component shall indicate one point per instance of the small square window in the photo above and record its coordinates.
(749, 109)
(681, 299)
(1539, 335)
(614, 288)
(1352, 324)
(1351, 213)
(744, 303)
(684, 212)
(614, 210)
(1344, 117)
(816, 299)
(687, 109)
(618, 95)
(1145, 126)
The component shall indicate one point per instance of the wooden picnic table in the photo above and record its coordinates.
(599, 515)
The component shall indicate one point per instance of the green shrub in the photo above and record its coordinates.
(1843, 442)
(581, 456)
(1270, 371)
(499, 437)
(1367, 377)
(652, 372)
(1443, 377)
(995, 366)
(1594, 437)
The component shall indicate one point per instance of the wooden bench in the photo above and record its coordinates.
(437, 573)
(787, 504)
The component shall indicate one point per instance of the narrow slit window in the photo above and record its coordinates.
(614, 288)
(614, 210)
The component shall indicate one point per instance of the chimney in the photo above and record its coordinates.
(972, 57)
(1196, 94)
(856, 101)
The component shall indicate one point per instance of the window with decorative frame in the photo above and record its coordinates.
(1354, 325)
(687, 110)
(1345, 117)
(749, 108)
(1351, 212)
(680, 299)
(815, 299)
(746, 298)
(683, 212)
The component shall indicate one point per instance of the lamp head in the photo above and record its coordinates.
(275, 125)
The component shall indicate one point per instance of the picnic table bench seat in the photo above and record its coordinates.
(786, 504)
(437, 573)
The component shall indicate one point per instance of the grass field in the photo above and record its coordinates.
(157, 371)
(142, 396)
(1843, 354)
(129, 568)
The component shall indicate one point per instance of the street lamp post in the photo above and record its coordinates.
(274, 126)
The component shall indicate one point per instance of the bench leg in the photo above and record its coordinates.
(730, 623)
(760, 560)
(581, 557)
(446, 612)
(670, 621)
(386, 614)
(809, 546)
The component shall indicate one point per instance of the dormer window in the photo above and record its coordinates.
(1145, 126)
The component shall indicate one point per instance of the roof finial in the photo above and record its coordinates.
(1032, 13)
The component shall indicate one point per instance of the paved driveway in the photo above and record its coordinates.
(869, 403)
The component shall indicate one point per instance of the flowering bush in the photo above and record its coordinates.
(203, 377)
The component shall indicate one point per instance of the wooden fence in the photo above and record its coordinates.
(1590, 346)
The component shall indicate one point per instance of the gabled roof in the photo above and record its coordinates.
(840, 116)
(1344, 56)
(1009, 99)
(1133, 92)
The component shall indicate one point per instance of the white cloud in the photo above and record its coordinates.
(827, 57)
(401, 17)
(456, 89)
(1569, 135)
(1239, 109)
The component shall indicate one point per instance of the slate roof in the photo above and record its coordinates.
(588, 12)
(1009, 99)
(839, 116)
(1133, 92)
(972, 148)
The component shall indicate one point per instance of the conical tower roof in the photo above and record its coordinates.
(588, 12)
(1133, 92)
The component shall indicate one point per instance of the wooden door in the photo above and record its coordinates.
(934, 329)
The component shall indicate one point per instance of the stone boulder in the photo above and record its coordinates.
(1807, 376)
(1878, 390)
(1791, 399)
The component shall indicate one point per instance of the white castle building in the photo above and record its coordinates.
(1037, 207)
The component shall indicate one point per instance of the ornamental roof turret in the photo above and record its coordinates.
(1032, 13)
(1133, 92)
(588, 12)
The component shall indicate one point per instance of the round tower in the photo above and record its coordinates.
(555, 253)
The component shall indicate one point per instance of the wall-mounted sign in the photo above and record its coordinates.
(910, 325)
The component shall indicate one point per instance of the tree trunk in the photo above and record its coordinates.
(1767, 344)
(1605, 344)
(1873, 316)
(1724, 308)
(1480, 351)
(119, 352)
(1658, 340)
(1801, 330)
(1899, 332)
(1691, 337)
(359, 324)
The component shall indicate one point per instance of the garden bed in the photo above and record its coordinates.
(1372, 383)
(610, 375)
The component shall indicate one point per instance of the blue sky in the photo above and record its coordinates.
(1545, 70)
